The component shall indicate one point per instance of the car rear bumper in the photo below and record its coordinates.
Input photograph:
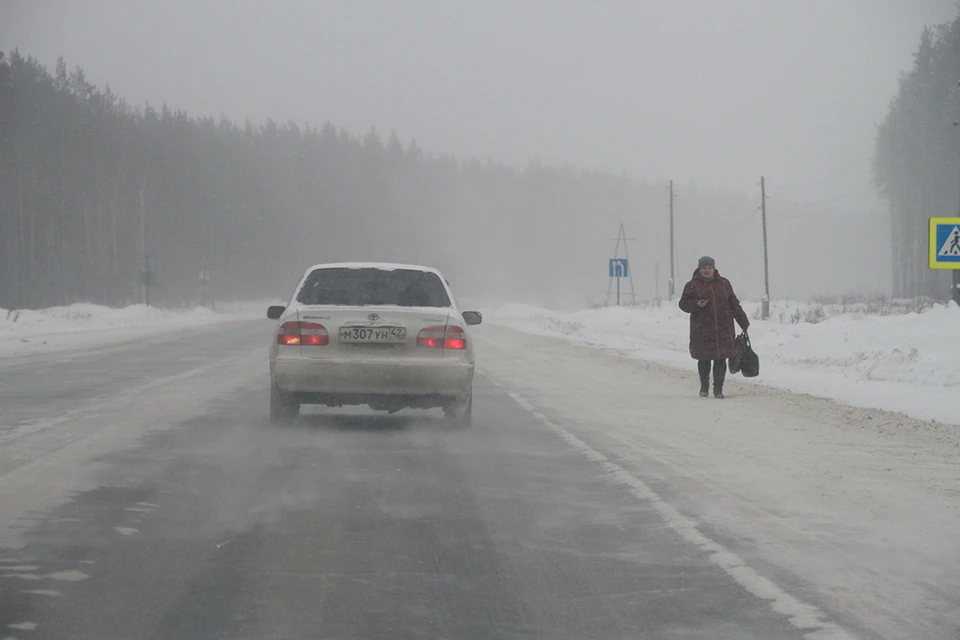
(442, 377)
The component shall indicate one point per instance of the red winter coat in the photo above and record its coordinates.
(711, 328)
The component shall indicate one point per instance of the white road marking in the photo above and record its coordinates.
(23, 626)
(42, 592)
(69, 576)
(126, 531)
(808, 619)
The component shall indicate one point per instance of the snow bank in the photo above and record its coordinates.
(78, 326)
(908, 363)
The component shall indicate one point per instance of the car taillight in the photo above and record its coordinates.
(456, 338)
(307, 334)
(440, 337)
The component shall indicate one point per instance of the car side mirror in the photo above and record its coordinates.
(472, 317)
(274, 312)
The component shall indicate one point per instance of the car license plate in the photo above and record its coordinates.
(373, 335)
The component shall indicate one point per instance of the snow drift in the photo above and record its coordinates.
(908, 362)
(77, 326)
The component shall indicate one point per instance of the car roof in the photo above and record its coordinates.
(383, 266)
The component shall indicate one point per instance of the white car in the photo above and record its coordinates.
(388, 336)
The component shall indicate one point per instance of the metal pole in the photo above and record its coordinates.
(956, 272)
(146, 279)
(143, 245)
(618, 291)
(670, 288)
(766, 269)
(143, 221)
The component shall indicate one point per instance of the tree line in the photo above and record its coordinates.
(91, 185)
(917, 158)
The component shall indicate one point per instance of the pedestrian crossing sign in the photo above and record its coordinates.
(945, 243)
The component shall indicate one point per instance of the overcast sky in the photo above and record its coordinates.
(708, 91)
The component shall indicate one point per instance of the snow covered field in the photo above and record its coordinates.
(83, 326)
(906, 361)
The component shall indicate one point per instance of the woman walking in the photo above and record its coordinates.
(713, 306)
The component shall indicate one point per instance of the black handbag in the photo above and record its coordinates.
(745, 360)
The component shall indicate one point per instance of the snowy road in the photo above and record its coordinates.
(143, 495)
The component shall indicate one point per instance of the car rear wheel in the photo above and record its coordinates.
(283, 408)
(460, 414)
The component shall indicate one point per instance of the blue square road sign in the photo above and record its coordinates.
(619, 268)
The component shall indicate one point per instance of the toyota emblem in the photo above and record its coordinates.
(373, 317)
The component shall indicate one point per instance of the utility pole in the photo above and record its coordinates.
(145, 273)
(146, 279)
(765, 311)
(656, 284)
(143, 222)
(955, 291)
(670, 285)
(204, 286)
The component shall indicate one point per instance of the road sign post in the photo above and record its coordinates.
(619, 268)
(618, 263)
(945, 250)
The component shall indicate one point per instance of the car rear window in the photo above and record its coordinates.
(373, 287)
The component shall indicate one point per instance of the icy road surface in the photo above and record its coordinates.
(143, 495)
